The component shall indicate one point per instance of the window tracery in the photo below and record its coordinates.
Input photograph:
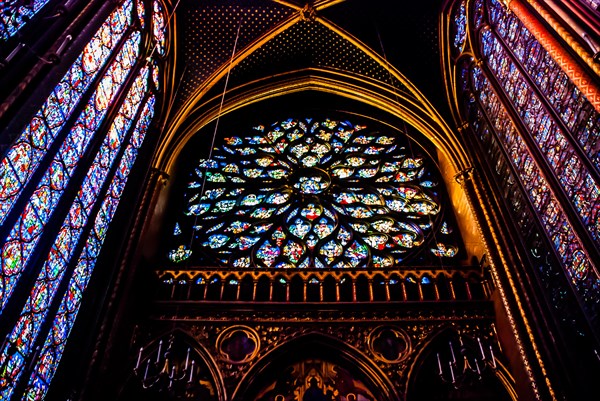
(28, 151)
(71, 300)
(29, 227)
(576, 179)
(121, 90)
(545, 129)
(549, 209)
(312, 194)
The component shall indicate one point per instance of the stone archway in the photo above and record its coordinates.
(315, 367)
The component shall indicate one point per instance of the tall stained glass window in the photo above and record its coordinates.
(16, 13)
(523, 105)
(103, 106)
(305, 193)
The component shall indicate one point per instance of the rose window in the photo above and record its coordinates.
(308, 194)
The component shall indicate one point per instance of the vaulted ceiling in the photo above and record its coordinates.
(274, 37)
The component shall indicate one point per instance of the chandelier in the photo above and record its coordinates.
(467, 361)
(170, 370)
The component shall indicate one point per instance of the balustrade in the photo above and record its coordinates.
(312, 286)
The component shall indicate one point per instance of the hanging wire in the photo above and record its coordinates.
(411, 151)
(169, 18)
(214, 136)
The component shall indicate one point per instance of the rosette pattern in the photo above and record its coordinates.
(310, 194)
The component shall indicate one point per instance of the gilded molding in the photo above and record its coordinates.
(182, 312)
(564, 34)
(518, 336)
(574, 71)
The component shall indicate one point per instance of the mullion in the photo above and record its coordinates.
(67, 198)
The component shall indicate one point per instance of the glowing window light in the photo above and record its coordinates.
(54, 345)
(15, 15)
(28, 229)
(574, 177)
(311, 214)
(25, 155)
(565, 240)
(158, 27)
(35, 311)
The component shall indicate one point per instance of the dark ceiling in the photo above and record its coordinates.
(405, 33)
(402, 32)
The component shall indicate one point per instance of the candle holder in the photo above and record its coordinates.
(464, 361)
(169, 370)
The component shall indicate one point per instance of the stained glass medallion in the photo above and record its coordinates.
(312, 194)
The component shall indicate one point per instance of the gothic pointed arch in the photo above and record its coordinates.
(315, 363)
(471, 380)
(183, 361)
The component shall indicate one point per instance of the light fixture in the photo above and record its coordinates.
(170, 370)
(466, 361)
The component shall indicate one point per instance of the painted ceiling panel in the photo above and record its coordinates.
(309, 44)
(208, 31)
(338, 36)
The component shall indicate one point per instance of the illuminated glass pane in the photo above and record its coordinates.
(574, 176)
(158, 27)
(23, 158)
(313, 214)
(15, 14)
(52, 185)
(53, 270)
(63, 322)
(141, 12)
(554, 219)
(443, 250)
(567, 100)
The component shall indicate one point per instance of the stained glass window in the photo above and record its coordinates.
(158, 30)
(23, 158)
(71, 300)
(28, 230)
(122, 90)
(141, 13)
(311, 194)
(523, 107)
(574, 176)
(14, 14)
(460, 28)
(540, 194)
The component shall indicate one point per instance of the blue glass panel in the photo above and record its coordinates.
(51, 353)
(23, 158)
(46, 285)
(317, 212)
(32, 221)
(572, 173)
(567, 243)
(15, 14)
